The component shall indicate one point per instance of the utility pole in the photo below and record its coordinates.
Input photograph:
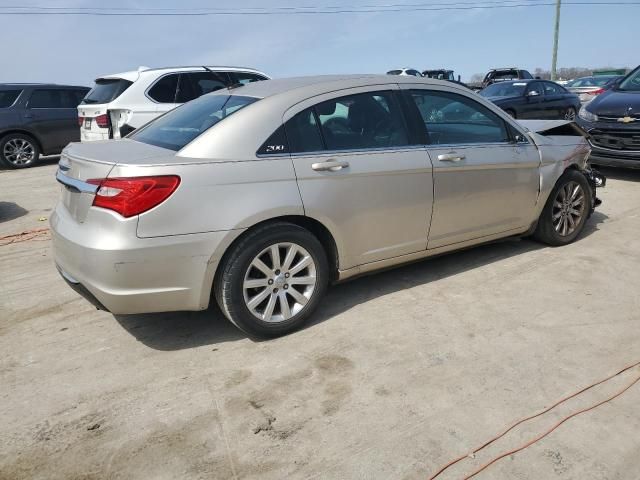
(554, 62)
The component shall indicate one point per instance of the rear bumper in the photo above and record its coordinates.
(124, 274)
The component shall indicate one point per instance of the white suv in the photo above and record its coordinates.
(120, 103)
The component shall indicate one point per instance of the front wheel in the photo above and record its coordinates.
(570, 114)
(566, 211)
(272, 280)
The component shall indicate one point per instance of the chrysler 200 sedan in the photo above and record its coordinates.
(261, 196)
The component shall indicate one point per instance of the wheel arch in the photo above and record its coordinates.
(23, 131)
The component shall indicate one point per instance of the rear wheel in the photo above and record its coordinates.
(566, 211)
(272, 280)
(570, 114)
(19, 151)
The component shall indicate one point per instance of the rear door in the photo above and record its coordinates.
(556, 102)
(53, 116)
(359, 174)
(195, 84)
(484, 183)
(534, 107)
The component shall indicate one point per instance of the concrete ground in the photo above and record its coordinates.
(398, 373)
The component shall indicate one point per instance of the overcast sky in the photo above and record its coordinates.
(77, 49)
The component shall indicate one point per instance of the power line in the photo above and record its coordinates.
(326, 10)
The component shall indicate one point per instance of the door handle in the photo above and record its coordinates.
(451, 157)
(330, 166)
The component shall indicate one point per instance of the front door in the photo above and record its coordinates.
(484, 183)
(359, 175)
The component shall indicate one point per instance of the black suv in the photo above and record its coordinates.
(37, 119)
(503, 75)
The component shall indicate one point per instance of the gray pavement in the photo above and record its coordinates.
(398, 373)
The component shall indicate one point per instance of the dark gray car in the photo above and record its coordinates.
(37, 119)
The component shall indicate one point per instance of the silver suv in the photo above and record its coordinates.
(262, 195)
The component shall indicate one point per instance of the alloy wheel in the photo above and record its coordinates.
(19, 151)
(568, 208)
(570, 114)
(279, 282)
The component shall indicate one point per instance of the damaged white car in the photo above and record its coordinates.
(263, 195)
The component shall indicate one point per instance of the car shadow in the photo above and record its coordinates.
(184, 330)
(626, 174)
(11, 211)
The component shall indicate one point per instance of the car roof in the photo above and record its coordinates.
(315, 85)
(133, 75)
(6, 86)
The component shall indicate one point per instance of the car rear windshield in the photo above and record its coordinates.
(8, 97)
(515, 89)
(177, 128)
(591, 81)
(631, 83)
(106, 90)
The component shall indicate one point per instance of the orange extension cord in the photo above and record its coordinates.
(539, 437)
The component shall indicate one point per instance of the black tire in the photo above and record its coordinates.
(6, 147)
(545, 230)
(511, 113)
(229, 282)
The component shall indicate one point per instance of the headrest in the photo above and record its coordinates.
(326, 108)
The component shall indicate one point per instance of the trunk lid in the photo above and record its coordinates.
(80, 162)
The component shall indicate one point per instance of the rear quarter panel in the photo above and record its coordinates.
(219, 196)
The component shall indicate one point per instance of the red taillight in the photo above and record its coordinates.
(597, 92)
(133, 195)
(80, 120)
(102, 121)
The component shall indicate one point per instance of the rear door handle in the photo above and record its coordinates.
(451, 157)
(330, 166)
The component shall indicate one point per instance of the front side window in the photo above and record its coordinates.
(245, 77)
(164, 90)
(455, 119)
(179, 127)
(196, 84)
(8, 97)
(362, 121)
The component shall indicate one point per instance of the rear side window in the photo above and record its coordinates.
(553, 89)
(303, 133)
(106, 90)
(275, 144)
(164, 90)
(53, 98)
(8, 97)
(245, 77)
(525, 74)
(362, 121)
(179, 127)
(196, 84)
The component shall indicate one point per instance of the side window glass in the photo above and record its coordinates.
(164, 90)
(535, 88)
(245, 77)
(526, 75)
(303, 133)
(8, 97)
(68, 99)
(194, 85)
(456, 119)
(275, 144)
(366, 120)
(46, 98)
(551, 89)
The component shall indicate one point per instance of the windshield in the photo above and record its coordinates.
(179, 127)
(106, 90)
(631, 83)
(515, 89)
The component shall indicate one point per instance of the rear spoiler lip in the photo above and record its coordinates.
(547, 127)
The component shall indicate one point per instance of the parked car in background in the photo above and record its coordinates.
(120, 103)
(612, 120)
(37, 119)
(264, 194)
(587, 88)
(502, 75)
(443, 74)
(535, 99)
(405, 71)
